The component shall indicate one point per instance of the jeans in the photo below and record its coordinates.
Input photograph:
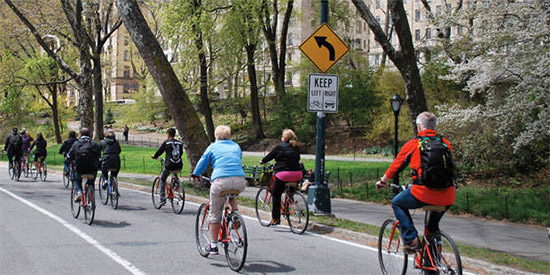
(78, 180)
(163, 176)
(66, 167)
(401, 205)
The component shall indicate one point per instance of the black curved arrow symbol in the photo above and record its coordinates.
(322, 41)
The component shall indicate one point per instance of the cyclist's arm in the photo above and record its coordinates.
(401, 161)
(203, 162)
(160, 151)
(7, 144)
(271, 155)
(32, 146)
(62, 149)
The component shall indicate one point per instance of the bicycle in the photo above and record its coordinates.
(41, 169)
(437, 253)
(68, 175)
(232, 234)
(293, 206)
(174, 191)
(87, 202)
(25, 165)
(14, 171)
(111, 189)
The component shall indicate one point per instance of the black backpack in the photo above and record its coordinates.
(16, 142)
(436, 162)
(84, 157)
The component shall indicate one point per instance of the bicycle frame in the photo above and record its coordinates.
(284, 202)
(222, 237)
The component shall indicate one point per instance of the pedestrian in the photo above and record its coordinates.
(310, 179)
(125, 133)
(287, 169)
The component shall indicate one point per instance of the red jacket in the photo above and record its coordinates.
(410, 155)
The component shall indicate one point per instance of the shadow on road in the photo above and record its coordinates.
(131, 208)
(265, 267)
(109, 224)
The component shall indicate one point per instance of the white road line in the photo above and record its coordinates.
(123, 262)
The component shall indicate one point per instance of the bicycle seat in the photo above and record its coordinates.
(87, 176)
(175, 171)
(291, 184)
(433, 208)
(230, 192)
(111, 170)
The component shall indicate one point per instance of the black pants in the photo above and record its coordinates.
(278, 189)
(12, 154)
(113, 173)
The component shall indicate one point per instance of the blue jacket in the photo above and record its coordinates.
(226, 159)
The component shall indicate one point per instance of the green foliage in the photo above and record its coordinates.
(147, 108)
(109, 117)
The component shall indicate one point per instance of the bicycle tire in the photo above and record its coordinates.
(263, 202)
(297, 212)
(445, 254)
(155, 193)
(103, 193)
(35, 171)
(391, 256)
(202, 233)
(114, 193)
(89, 209)
(66, 178)
(44, 173)
(25, 168)
(178, 199)
(237, 245)
(10, 172)
(75, 207)
(17, 171)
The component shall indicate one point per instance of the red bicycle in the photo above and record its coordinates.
(232, 233)
(87, 202)
(293, 206)
(437, 254)
(174, 191)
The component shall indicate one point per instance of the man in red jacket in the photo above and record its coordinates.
(418, 195)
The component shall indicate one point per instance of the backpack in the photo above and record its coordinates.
(16, 141)
(436, 163)
(84, 157)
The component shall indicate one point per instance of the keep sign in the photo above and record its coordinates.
(322, 93)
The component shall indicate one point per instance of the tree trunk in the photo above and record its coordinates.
(187, 121)
(254, 102)
(205, 102)
(85, 99)
(55, 115)
(98, 93)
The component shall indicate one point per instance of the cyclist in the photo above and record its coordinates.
(65, 148)
(419, 194)
(226, 159)
(27, 139)
(40, 151)
(287, 169)
(13, 146)
(84, 155)
(111, 160)
(174, 151)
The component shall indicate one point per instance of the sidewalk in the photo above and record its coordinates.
(522, 240)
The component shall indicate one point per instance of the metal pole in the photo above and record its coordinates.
(396, 177)
(319, 194)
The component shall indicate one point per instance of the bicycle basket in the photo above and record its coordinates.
(266, 178)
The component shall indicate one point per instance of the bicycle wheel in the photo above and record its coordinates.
(44, 173)
(263, 202)
(75, 206)
(155, 193)
(390, 249)
(178, 201)
(10, 172)
(237, 244)
(114, 193)
(66, 178)
(445, 254)
(103, 193)
(35, 170)
(89, 209)
(297, 212)
(26, 168)
(17, 171)
(202, 234)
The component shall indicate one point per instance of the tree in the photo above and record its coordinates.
(194, 138)
(403, 59)
(268, 14)
(75, 18)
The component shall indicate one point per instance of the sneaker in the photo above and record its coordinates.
(104, 186)
(162, 202)
(412, 246)
(236, 222)
(78, 197)
(211, 250)
(275, 222)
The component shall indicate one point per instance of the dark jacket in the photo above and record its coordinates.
(14, 149)
(66, 147)
(40, 145)
(111, 151)
(27, 142)
(287, 158)
(93, 164)
(174, 152)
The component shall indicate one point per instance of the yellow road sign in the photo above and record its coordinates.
(324, 48)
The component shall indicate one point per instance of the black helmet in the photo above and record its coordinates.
(15, 130)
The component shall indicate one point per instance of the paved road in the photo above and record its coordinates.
(39, 235)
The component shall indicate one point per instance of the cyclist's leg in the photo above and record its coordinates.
(435, 217)
(163, 176)
(66, 166)
(235, 183)
(78, 181)
(216, 208)
(278, 189)
(401, 205)
(10, 157)
(104, 175)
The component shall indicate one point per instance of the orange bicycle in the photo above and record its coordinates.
(437, 254)
(174, 191)
(293, 206)
(232, 233)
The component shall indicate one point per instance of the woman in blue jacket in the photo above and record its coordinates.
(226, 159)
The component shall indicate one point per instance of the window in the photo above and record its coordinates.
(378, 19)
(377, 4)
(404, 1)
(364, 26)
(126, 41)
(417, 15)
(449, 7)
(126, 71)
(290, 39)
(358, 26)
(290, 56)
(428, 33)
(438, 10)
(416, 35)
(459, 30)
(126, 88)
(126, 55)
(364, 45)
(134, 87)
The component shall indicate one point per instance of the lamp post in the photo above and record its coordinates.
(396, 103)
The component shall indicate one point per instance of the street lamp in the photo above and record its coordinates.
(396, 103)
